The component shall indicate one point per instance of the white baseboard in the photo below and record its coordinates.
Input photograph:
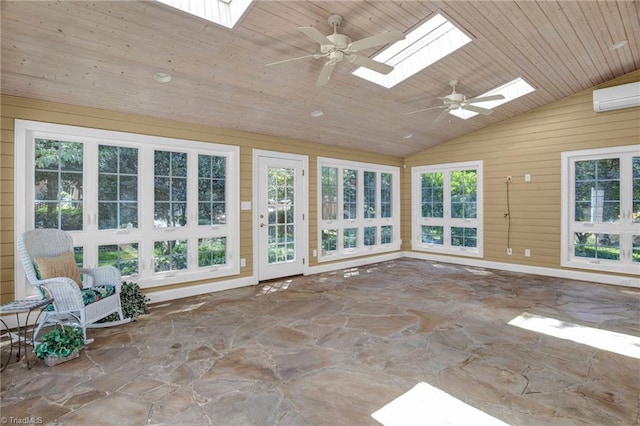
(353, 263)
(525, 269)
(179, 293)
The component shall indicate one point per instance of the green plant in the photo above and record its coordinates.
(133, 302)
(60, 342)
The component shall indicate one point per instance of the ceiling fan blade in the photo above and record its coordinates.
(427, 109)
(314, 56)
(316, 35)
(477, 109)
(325, 74)
(376, 40)
(442, 115)
(485, 99)
(376, 66)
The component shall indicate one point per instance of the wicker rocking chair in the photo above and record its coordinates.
(47, 258)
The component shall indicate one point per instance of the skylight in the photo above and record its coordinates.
(223, 12)
(512, 90)
(431, 41)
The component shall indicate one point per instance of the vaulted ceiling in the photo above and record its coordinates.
(103, 54)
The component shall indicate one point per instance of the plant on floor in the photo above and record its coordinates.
(60, 342)
(133, 302)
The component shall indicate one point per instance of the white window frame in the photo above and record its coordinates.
(625, 227)
(360, 222)
(91, 237)
(446, 221)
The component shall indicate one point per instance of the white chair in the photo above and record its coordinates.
(100, 293)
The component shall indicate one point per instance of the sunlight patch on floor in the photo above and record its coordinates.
(353, 272)
(187, 308)
(623, 344)
(428, 405)
(274, 287)
(482, 272)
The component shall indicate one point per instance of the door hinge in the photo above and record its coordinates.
(302, 172)
(303, 259)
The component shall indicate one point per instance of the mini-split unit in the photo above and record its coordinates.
(617, 97)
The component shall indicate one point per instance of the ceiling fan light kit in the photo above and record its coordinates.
(337, 47)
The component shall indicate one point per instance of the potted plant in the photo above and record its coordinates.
(59, 345)
(133, 302)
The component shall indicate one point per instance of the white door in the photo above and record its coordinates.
(280, 214)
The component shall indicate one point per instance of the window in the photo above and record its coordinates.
(601, 209)
(447, 208)
(161, 210)
(360, 209)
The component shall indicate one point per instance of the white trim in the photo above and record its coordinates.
(27, 131)
(511, 267)
(360, 222)
(196, 290)
(178, 293)
(535, 270)
(625, 228)
(353, 263)
(447, 221)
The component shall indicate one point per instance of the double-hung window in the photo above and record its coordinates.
(601, 209)
(447, 208)
(359, 209)
(162, 210)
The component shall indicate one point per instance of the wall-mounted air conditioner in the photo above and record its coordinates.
(617, 97)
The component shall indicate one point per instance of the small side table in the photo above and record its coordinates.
(18, 307)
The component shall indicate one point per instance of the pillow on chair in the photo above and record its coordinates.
(58, 266)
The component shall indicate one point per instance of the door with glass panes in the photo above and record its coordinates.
(280, 214)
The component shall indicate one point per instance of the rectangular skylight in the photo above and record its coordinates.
(512, 90)
(431, 41)
(223, 12)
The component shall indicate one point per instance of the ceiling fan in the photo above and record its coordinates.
(458, 100)
(337, 47)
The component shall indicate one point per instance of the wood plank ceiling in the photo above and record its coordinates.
(103, 54)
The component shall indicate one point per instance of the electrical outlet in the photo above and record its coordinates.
(527, 252)
(243, 262)
(509, 251)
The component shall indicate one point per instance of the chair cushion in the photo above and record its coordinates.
(89, 295)
(93, 294)
(63, 265)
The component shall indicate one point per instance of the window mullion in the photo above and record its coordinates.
(145, 211)
(90, 203)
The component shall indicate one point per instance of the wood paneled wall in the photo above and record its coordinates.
(30, 109)
(529, 144)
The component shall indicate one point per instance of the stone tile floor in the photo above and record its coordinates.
(332, 348)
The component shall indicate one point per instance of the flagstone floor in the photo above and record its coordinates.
(333, 348)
